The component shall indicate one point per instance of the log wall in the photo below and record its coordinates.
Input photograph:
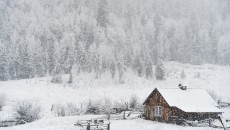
(157, 100)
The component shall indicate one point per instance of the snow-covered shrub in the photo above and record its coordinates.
(2, 100)
(160, 74)
(72, 110)
(119, 105)
(92, 108)
(56, 79)
(105, 106)
(26, 111)
(59, 110)
(68, 109)
(133, 102)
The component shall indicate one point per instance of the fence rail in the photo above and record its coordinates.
(7, 123)
(98, 124)
(223, 104)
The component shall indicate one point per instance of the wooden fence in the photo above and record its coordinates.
(98, 127)
(7, 123)
(96, 124)
(223, 104)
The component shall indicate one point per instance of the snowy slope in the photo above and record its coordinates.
(86, 87)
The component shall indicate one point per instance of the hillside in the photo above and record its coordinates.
(212, 77)
(52, 37)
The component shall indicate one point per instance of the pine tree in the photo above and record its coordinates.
(38, 62)
(158, 27)
(113, 69)
(24, 63)
(213, 46)
(103, 14)
(57, 74)
(51, 55)
(120, 67)
(70, 78)
(4, 75)
(149, 70)
(160, 74)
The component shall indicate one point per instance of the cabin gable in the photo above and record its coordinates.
(156, 107)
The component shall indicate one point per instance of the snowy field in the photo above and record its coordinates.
(85, 87)
(66, 123)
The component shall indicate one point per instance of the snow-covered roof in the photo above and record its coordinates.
(190, 100)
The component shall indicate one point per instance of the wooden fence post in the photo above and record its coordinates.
(108, 116)
(124, 115)
(222, 123)
(210, 122)
(88, 126)
(108, 128)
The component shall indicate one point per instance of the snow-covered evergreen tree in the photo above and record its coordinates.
(103, 14)
(160, 74)
(110, 35)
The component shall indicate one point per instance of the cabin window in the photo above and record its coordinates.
(158, 111)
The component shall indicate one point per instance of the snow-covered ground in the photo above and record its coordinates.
(85, 87)
(67, 123)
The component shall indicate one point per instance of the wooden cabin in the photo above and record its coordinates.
(168, 103)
